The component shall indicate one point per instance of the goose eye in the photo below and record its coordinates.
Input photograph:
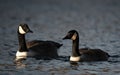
(70, 34)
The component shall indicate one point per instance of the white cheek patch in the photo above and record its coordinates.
(74, 36)
(76, 59)
(21, 30)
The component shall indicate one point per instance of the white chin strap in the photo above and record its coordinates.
(21, 30)
(74, 36)
(76, 59)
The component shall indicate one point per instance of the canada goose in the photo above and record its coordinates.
(84, 54)
(35, 48)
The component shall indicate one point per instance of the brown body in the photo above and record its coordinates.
(93, 55)
(44, 48)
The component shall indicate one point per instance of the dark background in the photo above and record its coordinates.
(97, 21)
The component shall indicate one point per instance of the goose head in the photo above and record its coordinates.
(23, 29)
(72, 34)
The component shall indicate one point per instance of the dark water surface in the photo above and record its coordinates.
(97, 21)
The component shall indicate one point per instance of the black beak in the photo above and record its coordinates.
(30, 31)
(65, 38)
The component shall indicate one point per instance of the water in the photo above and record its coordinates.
(97, 22)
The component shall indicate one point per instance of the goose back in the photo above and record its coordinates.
(93, 55)
(44, 48)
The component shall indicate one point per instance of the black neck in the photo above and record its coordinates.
(22, 42)
(75, 47)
